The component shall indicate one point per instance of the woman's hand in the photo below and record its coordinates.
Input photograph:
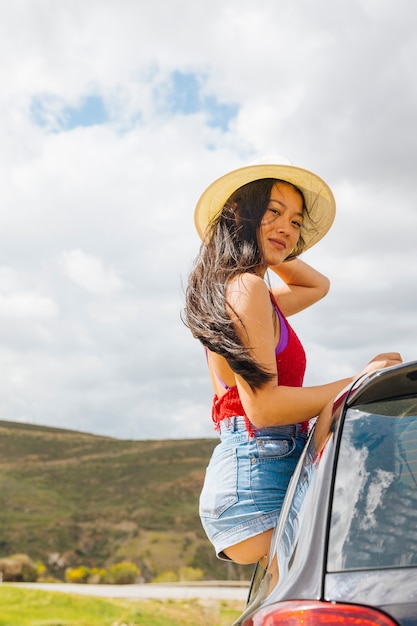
(381, 361)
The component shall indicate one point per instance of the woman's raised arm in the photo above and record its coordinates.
(302, 286)
(275, 404)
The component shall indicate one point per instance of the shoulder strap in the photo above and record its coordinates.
(283, 328)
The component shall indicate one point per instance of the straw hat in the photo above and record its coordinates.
(317, 194)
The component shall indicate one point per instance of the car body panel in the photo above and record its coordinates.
(393, 591)
(300, 543)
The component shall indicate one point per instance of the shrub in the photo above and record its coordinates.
(166, 577)
(79, 574)
(190, 573)
(18, 568)
(124, 573)
(41, 570)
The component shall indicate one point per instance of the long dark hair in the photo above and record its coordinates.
(231, 248)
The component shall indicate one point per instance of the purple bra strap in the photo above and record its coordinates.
(282, 343)
(283, 337)
(223, 384)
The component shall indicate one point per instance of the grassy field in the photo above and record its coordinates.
(30, 607)
(98, 500)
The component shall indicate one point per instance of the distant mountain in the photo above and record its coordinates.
(69, 498)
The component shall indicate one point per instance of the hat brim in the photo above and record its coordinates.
(318, 197)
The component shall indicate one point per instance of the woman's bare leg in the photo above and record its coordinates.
(250, 550)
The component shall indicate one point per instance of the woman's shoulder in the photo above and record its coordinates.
(247, 286)
(247, 281)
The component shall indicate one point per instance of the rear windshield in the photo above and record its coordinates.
(374, 515)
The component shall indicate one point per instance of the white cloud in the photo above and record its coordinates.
(26, 304)
(90, 273)
(19, 300)
(374, 499)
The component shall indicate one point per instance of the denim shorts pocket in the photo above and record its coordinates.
(275, 448)
(272, 465)
(220, 484)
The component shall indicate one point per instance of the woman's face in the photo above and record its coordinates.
(280, 227)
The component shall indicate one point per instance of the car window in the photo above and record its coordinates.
(374, 513)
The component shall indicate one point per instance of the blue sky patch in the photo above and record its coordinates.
(184, 96)
(91, 112)
(48, 112)
(220, 114)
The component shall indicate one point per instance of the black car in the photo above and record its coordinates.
(345, 547)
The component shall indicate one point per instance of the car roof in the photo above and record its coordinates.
(393, 382)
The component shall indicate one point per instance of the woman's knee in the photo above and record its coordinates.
(250, 550)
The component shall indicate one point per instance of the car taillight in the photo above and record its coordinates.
(305, 613)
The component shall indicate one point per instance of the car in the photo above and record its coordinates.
(344, 550)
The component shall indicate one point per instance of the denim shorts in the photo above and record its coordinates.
(246, 481)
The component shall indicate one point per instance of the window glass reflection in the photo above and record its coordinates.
(374, 515)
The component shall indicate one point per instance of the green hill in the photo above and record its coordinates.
(69, 498)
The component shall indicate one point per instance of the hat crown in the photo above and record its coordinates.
(271, 160)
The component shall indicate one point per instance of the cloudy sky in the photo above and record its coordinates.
(115, 115)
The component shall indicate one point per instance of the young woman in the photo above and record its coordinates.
(253, 219)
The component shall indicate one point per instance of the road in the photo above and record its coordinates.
(175, 591)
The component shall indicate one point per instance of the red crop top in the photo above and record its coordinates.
(291, 365)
